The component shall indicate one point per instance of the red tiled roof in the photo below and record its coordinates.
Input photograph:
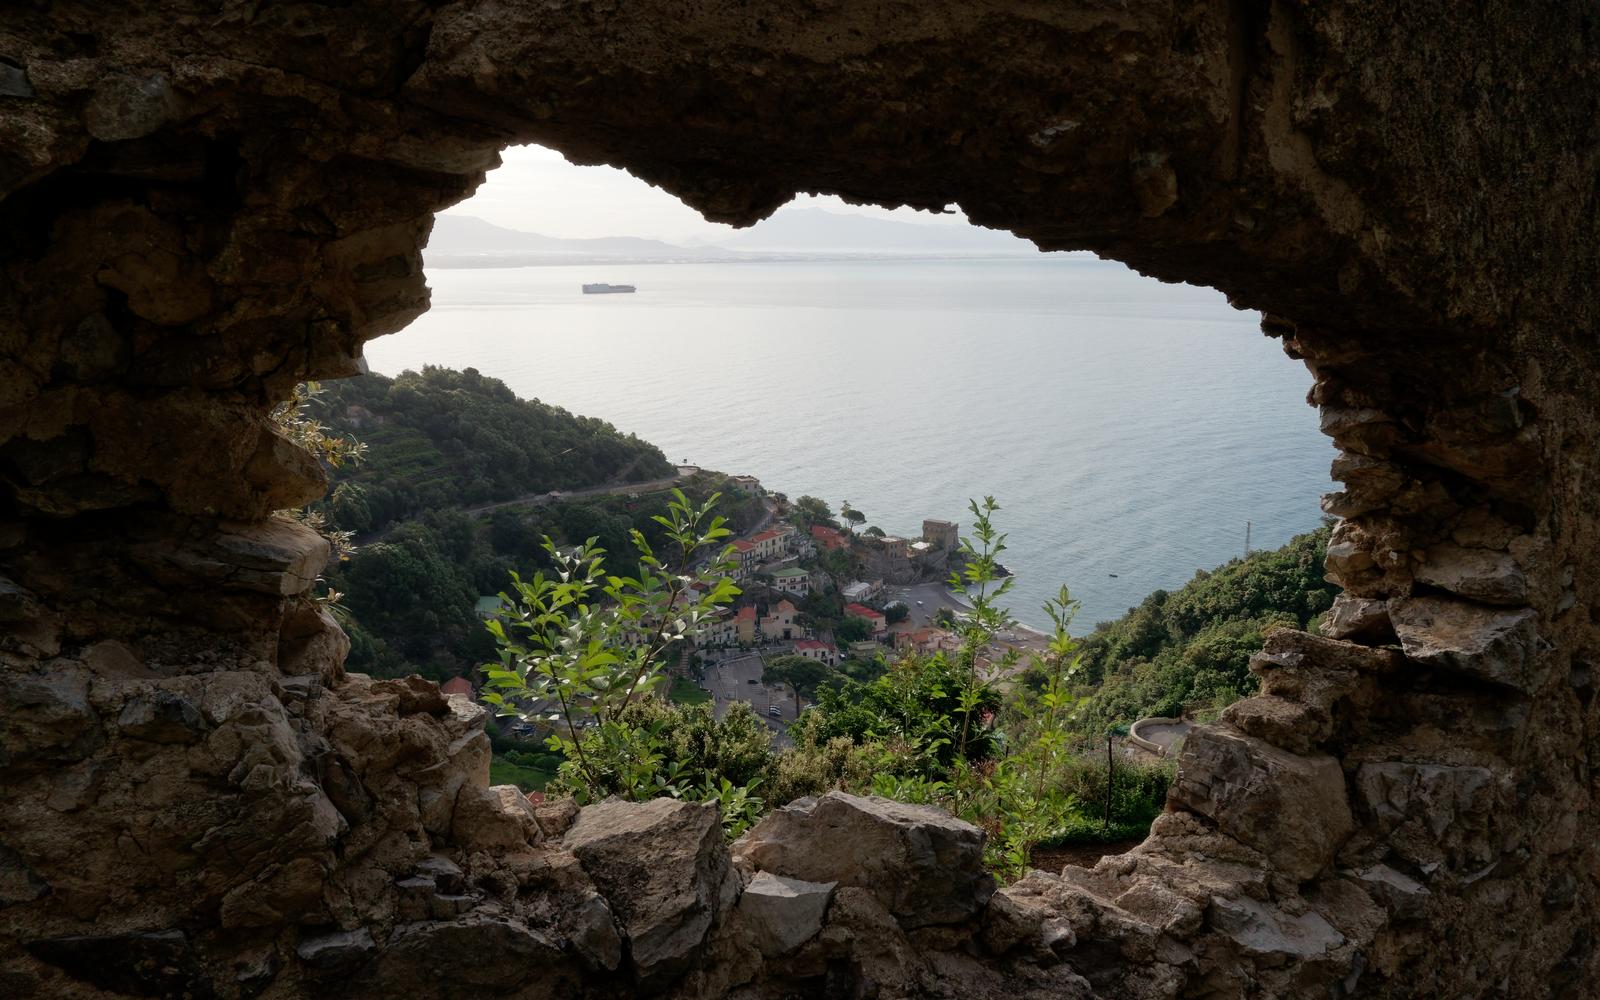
(811, 644)
(862, 611)
(763, 536)
(740, 545)
(456, 685)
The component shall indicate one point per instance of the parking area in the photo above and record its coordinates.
(923, 600)
(738, 678)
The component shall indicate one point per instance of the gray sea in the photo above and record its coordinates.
(1128, 428)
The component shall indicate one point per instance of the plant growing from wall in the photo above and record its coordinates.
(579, 646)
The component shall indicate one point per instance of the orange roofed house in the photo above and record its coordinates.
(879, 624)
(816, 649)
(828, 538)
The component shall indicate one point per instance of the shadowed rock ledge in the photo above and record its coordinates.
(206, 203)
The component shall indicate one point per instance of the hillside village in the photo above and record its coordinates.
(849, 601)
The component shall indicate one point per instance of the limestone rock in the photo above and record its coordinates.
(472, 956)
(162, 717)
(413, 694)
(1487, 643)
(1403, 896)
(924, 864)
(48, 717)
(1431, 814)
(592, 929)
(498, 818)
(664, 870)
(1478, 574)
(19, 883)
(555, 816)
(127, 107)
(1292, 809)
(1024, 914)
(780, 914)
(338, 951)
(151, 964)
(1268, 932)
(1358, 619)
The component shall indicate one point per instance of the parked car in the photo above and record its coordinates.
(775, 712)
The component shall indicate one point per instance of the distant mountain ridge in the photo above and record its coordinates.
(463, 240)
(466, 235)
(813, 230)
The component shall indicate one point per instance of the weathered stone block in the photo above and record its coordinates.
(498, 818)
(1478, 574)
(162, 717)
(924, 864)
(1292, 809)
(780, 914)
(149, 964)
(1269, 932)
(471, 956)
(1487, 643)
(1403, 896)
(1358, 619)
(1435, 795)
(338, 951)
(664, 870)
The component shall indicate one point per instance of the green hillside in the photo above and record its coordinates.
(442, 438)
(1192, 646)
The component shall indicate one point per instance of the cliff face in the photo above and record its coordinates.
(204, 204)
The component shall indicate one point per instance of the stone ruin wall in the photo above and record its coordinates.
(206, 203)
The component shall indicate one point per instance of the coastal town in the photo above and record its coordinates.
(851, 601)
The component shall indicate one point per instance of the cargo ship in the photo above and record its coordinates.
(601, 288)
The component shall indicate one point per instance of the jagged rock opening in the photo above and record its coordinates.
(204, 206)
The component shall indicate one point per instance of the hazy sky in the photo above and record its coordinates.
(537, 190)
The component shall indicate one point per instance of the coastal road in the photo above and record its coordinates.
(610, 489)
(541, 499)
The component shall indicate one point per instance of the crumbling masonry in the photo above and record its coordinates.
(203, 203)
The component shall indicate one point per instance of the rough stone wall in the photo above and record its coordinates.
(205, 203)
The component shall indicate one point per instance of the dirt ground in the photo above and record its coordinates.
(1053, 859)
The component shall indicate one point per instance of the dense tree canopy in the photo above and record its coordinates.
(1192, 646)
(443, 438)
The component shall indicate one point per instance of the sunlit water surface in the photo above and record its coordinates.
(1127, 427)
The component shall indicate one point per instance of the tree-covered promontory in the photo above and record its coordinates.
(444, 438)
(459, 484)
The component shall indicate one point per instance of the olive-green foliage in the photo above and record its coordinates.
(816, 767)
(914, 711)
(1138, 790)
(1192, 646)
(808, 510)
(411, 595)
(411, 599)
(704, 748)
(444, 438)
(687, 692)
(800, 674)
(529, 778)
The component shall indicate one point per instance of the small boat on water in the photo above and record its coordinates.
(601, 288)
